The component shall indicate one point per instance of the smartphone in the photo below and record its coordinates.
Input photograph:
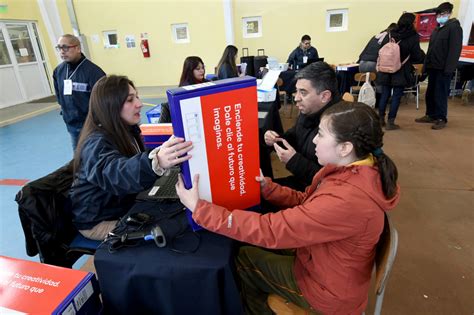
(280, 143)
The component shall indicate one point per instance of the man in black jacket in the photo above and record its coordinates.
(316, 91)
(440, 63)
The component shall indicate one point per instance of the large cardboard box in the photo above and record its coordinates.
(221, 119)
(28, 287)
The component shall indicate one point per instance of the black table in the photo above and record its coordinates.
(149, 280)
(345, 77)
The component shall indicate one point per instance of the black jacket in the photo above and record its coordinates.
(304, 164)
(409, 42)
(445, 47)
(371, 50)
(107, 182)
(225, 72)
(44, 210)
(84, 75)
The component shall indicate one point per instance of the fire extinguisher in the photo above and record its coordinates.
(145, 48)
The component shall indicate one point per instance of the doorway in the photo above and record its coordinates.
(23, 72)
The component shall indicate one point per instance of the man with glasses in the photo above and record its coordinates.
(73, 82)
(440, 63)
(300, 56)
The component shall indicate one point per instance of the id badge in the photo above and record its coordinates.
(305, 59)
(67, 87)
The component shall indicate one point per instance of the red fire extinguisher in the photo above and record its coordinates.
(145, 48)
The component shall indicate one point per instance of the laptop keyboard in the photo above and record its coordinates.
(168, 189)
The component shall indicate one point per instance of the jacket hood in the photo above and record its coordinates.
(403, 34)
(368, 181)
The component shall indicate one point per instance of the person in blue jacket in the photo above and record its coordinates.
(300, 56)
(110, 162)
(73, 82)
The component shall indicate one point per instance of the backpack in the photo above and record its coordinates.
(367, 92)
(389, 57)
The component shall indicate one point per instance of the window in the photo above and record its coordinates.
(111, 39)
(337, 20)
(252, 27)
(180, 33)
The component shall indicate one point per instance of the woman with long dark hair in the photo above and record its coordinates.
(227, 68)
(193, 71)
(110, 162)
(410, 53)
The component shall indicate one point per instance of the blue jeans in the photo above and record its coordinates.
(395, 103)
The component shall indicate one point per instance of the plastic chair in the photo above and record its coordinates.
(348, 97)
(386, 251)
(360, 78)
(415, 88)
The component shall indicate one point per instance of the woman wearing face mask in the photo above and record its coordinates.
(441, 61)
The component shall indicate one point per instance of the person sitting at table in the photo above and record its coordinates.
(334, 225)
(193, 73)
(300, 55)
(227, 68)
(110, 163)
(410, 53)
(316, 91)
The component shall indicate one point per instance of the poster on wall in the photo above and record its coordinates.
(252, 26)
(130, 41)
(425, 23)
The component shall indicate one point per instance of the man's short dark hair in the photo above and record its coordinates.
(444, 7)
(322, 77)
(305, 37)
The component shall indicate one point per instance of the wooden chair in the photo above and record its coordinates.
(360, 78)
(386, 251)
(415, 88)
(348, 97)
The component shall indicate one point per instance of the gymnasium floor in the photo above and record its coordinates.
(434, 269)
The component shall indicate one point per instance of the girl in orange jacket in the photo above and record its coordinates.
(334, 225)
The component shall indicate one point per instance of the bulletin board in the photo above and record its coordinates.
(425, 23)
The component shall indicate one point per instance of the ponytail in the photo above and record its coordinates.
(388, 173)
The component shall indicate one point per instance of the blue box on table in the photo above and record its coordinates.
(154, 114)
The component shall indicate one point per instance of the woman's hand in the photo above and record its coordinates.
(188, 197)
(170, 153)
(261, 179)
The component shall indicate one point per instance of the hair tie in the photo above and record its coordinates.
(377, 152)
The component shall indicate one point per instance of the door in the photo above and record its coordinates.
(23, 69)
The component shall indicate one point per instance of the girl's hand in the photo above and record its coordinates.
(188, 197)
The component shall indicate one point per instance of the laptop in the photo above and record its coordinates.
(163, 188)
(310, 61)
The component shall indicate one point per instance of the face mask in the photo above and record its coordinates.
(442, 19)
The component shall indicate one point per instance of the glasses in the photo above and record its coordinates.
(64, 48)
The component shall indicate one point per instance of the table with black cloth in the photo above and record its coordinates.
(345, 78)
(289, 82)
(272, 121)
(146, 279)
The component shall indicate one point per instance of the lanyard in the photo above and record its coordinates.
(67, 70)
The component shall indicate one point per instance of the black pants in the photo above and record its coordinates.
(437, 94)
